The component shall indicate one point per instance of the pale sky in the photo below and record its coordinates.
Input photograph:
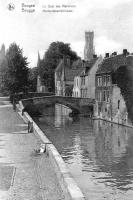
(111, 21)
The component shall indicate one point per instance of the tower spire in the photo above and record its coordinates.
(2, 51)
(39, 60)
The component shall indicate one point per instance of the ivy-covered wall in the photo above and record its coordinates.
(124, 79)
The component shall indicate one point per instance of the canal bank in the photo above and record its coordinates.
(97, 153)
(23, 173)
(113, 122)
(68, 186)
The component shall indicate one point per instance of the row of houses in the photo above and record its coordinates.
(98, 78)
(78, 77)
(108, 80)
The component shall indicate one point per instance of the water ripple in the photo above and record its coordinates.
(99, 155)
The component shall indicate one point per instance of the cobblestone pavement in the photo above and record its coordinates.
(23, 174)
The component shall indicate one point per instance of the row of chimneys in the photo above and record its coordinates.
(67, 60)
(125, 53)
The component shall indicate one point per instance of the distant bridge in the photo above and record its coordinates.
(78, 105)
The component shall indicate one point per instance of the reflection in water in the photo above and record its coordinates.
(98, 154)
(59, 120)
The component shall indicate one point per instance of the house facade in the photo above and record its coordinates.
(88, 78)
(81, 82)
(91, 75)
(84, 83)
(64, 76)
(77, 86)
(83, 87)
(111, 103)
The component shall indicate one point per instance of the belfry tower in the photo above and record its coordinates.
(89, 46)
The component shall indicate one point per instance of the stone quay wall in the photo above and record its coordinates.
(69, 187)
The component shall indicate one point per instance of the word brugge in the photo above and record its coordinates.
(30, 8)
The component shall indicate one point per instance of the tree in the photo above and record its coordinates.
(55, 52)
(3, 71)
(33, 72)
(3, 76)
(17, 72)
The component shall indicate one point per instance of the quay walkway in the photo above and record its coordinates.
(23, 174)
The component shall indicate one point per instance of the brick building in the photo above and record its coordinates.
(111, 102)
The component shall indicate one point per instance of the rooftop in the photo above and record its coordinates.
(76, 68)
(71, 73)
(89, 65)
(111, 64)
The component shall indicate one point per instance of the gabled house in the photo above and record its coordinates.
(64, 76)
(77, 86)
(67, 74)
(88, 77)
(77, 79)
(84, 82)
(114, 87)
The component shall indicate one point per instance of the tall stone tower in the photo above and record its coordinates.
(89, 46)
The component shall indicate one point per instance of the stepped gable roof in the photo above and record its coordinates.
(112, 63)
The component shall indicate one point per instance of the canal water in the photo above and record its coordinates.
(98, 154)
